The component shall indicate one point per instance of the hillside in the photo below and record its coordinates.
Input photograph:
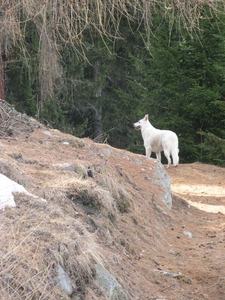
(105, 206)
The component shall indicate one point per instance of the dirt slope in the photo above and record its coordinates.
(153, 252)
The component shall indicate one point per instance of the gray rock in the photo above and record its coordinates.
(164, 180)
(138, 161)
(91, 172)
(65, 166)
(107, 151)
(109, 284)
(63, 281)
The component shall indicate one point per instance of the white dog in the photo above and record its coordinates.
(157, 140)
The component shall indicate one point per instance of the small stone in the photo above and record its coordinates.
(90, 172)
(188, 234)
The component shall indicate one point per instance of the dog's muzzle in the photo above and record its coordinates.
(137, 127)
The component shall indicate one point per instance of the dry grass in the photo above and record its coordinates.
(35, 238)
(119, 193)
(13, 123)
(106, 195)
(90, 195)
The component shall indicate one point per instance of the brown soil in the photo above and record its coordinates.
(155, 253)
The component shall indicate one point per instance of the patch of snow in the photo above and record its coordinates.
(189, 234)
(7, 188)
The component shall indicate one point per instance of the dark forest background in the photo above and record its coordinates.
(99, 87)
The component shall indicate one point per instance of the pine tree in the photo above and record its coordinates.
(181, 83)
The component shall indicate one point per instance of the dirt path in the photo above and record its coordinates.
(203, 186)
(201, 253)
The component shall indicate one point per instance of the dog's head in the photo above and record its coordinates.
(138, 125)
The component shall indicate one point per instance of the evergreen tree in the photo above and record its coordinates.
(182, 82)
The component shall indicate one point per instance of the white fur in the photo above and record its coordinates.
(157, 140)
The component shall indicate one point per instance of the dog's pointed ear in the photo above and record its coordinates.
(146, 118)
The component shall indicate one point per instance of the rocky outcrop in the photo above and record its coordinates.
(109, 284)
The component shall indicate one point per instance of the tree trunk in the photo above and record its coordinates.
(98, 131)
(2, 86)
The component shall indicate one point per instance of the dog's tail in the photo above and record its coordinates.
(175, 155)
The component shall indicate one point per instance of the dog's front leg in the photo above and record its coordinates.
(148, 152)
(158, 156)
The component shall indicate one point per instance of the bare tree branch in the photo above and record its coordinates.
(64, 21)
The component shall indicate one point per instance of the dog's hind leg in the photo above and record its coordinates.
(175, 157)
(167, 155)
(158, 156)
